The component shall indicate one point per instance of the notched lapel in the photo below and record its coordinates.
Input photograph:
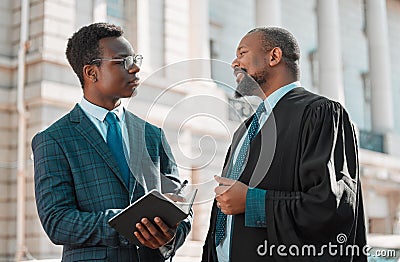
(235, 141)
(93, 137)
(137, 144)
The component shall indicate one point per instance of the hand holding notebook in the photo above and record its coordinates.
(153, 204)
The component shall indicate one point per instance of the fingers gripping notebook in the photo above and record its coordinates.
(153, 204)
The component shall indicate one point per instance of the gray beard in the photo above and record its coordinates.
(248, 86)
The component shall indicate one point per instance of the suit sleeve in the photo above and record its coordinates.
(169, 168)
(255, 208)
(328, 200)
(56, 203)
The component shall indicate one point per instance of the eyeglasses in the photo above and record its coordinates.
(129, 61)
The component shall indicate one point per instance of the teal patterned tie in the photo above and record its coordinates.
(237, 169)
(114, 141)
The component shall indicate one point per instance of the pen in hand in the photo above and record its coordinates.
(182, 186)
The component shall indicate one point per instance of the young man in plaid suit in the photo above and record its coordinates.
(81, 180)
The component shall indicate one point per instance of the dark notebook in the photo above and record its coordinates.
(153, 204)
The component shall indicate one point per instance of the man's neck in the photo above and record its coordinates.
(109, 105)
(275, 85)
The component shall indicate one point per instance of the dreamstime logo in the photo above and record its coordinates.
(193, 110)
(341, 238)
(330, 249)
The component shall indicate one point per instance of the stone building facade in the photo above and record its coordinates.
(349, 53)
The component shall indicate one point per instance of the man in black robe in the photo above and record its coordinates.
(290, 187)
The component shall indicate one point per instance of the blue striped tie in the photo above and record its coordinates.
(114, 141)
(237, 169)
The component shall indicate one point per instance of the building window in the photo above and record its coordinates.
(364, 24)
(369, 139)
(213, 55)
(367, 100)
(115, 11)
(213, 51)
(314, 62)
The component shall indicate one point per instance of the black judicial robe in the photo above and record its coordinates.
(306, 157)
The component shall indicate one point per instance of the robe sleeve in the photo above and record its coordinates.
(326, 198)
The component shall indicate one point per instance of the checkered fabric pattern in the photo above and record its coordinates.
(237, 168)
(79, 186)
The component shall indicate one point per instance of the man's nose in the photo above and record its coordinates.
(134, 69)
(235, 63)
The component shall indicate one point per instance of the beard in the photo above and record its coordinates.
(248, 85)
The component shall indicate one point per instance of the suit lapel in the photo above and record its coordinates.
(86, 128)
(137, 144)
(235, 141)
(253, 145)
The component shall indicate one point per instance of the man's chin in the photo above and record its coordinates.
(248, 86)
(242, 92)
(133, 93)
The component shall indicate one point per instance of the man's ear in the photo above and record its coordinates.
(90, 73)
(275, 56)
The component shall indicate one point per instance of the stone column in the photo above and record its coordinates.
(268, 13)
(329, 51)
(379, 64)
(150, 33)
(199, 38)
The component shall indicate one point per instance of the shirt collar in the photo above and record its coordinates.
(100, 112)
(271, 101)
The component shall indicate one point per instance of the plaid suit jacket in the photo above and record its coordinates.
(78, 186)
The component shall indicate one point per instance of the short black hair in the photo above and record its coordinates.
(83, 46)
(279, 37)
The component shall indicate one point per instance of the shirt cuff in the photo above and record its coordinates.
(255, 208)
(168, 249)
